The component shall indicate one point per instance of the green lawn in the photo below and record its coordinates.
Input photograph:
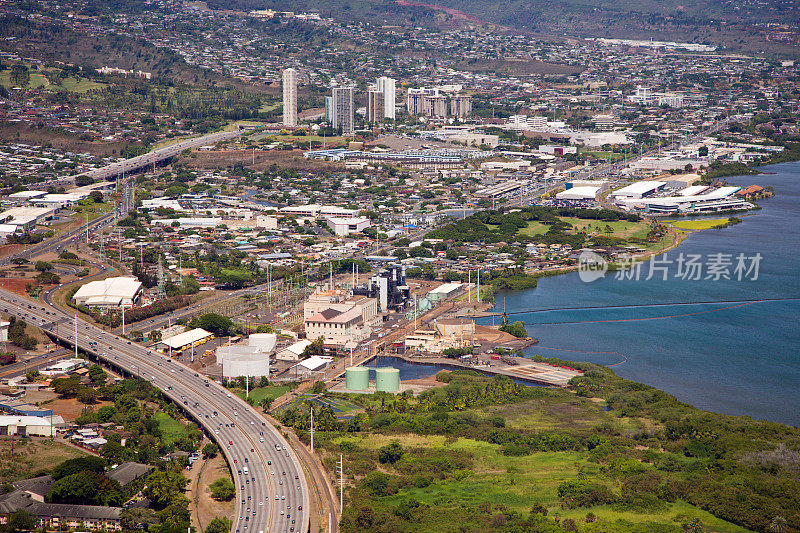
(171, 429)
(81, 85)
(621, 228)
(700, 224)
(534, 228)
(259, 393)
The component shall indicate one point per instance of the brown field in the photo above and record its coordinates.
(63, 141)
(31, 456)
(207, 508)
(70, 408)
(264, 159)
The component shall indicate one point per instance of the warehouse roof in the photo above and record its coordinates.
(640, 187)
(122, 287)
(187, 337)
(315, 362)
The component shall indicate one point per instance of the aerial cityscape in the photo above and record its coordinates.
(391, 266)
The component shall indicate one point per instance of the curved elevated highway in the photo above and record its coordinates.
(271, 491)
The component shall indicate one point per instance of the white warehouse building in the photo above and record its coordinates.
(345, 226)
(247, 360)
(110, 292)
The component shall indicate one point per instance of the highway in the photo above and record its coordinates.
(271, 490)
(62, 241)
(160, 154)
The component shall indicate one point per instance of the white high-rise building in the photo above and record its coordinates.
(387, 87)
(290, 97)
(343, 110)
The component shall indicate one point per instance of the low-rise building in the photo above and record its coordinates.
(110, 293)
(346, 226)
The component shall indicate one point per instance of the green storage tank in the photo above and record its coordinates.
(387, 379)
(357, 378)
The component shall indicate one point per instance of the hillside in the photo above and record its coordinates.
(744, 25)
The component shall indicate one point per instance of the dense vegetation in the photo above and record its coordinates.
(507, 228)
(645, 454)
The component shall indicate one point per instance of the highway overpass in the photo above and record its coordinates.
(273, 496)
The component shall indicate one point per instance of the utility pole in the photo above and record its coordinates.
(341, 484)
(123, 320)
(469, 286)
(415, 312)
(76, 335)
(312, 428)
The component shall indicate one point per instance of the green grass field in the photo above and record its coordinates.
(259, 393)
(622, 228)
(521, 482)
(171, 429)
(38, 79)
(81, 85)
(694, 225)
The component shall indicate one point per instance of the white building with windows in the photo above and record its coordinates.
(387, 87)
(346, 226)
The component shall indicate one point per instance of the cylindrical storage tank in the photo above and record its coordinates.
(357, 378)
(387, 379)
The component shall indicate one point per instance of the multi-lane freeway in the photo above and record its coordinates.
(271, 490)
(158, 155)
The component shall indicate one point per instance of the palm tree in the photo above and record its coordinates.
(778, 525)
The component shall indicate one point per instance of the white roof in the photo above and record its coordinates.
(187, 337)
(315, 362)
(640, 187)
(239, 352)
(347, 221)
(692, 190)
(58, 198)
(120, 287)
(579, 193)
(718, 194)
(14, 420)
(264, 341)
(27, 194)
(446, 288)
(298, 347)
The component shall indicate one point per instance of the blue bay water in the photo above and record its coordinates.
(741, 361)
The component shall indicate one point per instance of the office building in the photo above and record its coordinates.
(461, 106)
(343, 110)
(375, 109)
(387, 87)
(290, 97)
